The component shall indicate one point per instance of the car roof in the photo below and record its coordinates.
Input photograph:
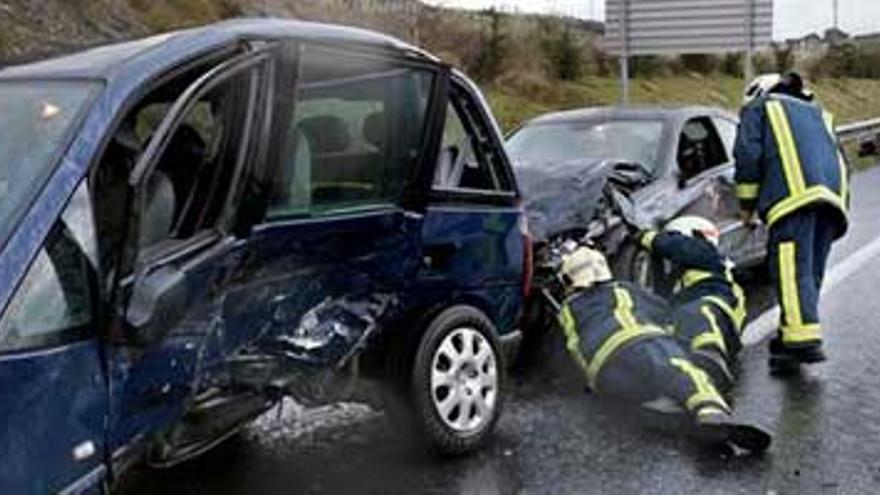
(640, 112)
(104, 62)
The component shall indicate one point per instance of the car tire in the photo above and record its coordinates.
(457, 380)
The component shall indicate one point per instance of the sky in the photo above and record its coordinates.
(791, 18)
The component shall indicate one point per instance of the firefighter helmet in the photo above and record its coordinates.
(760, 86)
(693, 226)
(585, 267)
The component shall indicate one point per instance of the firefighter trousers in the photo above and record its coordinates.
(655, 368)
(798, 250)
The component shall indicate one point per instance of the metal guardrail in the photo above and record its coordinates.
(859, 130)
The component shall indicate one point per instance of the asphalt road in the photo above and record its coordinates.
(554, 438)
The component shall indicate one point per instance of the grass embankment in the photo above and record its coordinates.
(514, 102)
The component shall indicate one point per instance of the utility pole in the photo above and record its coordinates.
(624, 52)
(748, 64)
(835, 6)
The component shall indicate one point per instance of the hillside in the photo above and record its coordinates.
(527, 64)
(849, 99)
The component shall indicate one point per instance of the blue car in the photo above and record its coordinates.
(196, 225)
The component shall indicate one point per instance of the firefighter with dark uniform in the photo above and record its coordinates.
(616, 333)
(708, 305)
(790, 171)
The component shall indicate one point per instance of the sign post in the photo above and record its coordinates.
(749, 62)
(624, 55)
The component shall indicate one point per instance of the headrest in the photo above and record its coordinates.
(375, 129)
(326, 134)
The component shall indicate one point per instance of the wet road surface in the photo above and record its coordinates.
(554, 438)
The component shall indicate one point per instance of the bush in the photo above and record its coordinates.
(699, 63)
(732, 65)
(563, 52)
(647, 66)
(487, 65)
(783, 58)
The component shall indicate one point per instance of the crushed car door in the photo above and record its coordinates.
(335, 246)
(745, 245)
(53, 391)
(706, 182)
(169, 336)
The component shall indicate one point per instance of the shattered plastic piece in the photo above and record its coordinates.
(292, 420)
(334, 330)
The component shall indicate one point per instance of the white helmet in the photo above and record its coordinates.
(585, 267)
(692, 226)
(760, 86)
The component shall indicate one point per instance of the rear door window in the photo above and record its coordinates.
(354, 135)
(469, 160)
(727, 131)
(699, 148)
(37, 119)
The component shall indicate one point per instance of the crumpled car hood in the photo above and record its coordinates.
(562, 196)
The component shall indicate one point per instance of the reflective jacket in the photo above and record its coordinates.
(602, 320)
(702, 272)
(787, 157)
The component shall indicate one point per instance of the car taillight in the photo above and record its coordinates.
(528, 255)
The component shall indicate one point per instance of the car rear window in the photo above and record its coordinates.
(36, 120)
(629, 140)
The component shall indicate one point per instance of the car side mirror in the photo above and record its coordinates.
(158, 302)
(629, 174)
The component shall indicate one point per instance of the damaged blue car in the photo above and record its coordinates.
(195, 225)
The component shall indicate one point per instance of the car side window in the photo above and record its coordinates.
(55, 301)
(194, 174)
(354, 134)
(699, 148)
(468, 159)
(727, 130)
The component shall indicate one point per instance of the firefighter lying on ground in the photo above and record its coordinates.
(708, 304)
(616, 332)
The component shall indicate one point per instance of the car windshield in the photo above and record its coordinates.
(35, 121)
(629, 140)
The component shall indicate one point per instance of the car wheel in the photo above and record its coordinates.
(457, 380)
(639, 266)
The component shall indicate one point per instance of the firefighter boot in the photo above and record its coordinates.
(785, 359)
(717, 427)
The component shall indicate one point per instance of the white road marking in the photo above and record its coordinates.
(764, 325)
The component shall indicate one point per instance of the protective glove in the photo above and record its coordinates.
(748, 218)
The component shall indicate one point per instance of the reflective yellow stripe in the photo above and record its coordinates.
(747, 190)
(572, 338)
(812, 195)
(712, 337)
(791, 302)
(788, 153)
(629, 330)
(737, 316)
(693, 277)
(647, 240)
(841, 161)
(705, 391)
(800, 334)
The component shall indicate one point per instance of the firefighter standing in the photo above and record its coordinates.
(790, 171)
(616, 332)
(708, 304)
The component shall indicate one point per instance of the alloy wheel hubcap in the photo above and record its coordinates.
(464, 380)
